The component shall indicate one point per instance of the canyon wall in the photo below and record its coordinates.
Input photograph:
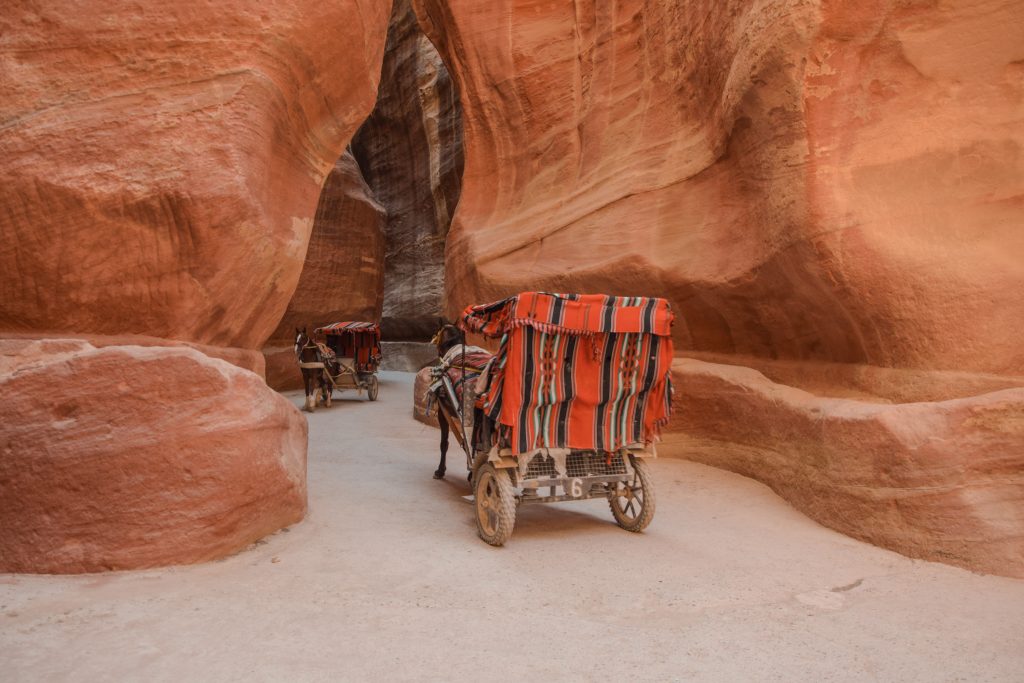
(808, 182)
(159, 174)
(162, 164)
(410, 151)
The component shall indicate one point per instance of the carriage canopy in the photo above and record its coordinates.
(581, 371)
(357, 340)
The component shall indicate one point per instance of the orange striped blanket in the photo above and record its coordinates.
(589, 372)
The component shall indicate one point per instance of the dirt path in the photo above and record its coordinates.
(386, 580)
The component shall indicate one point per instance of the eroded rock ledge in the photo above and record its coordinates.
(940, 480)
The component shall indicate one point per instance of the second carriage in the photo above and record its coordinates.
(355, 356)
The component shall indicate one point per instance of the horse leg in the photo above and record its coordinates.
(310, 389)
(443, 422)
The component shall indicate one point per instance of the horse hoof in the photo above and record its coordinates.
(438, 474)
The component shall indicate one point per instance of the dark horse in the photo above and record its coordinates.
(447, 337)
(311, 363)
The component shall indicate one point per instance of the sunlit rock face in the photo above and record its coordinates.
(410, 151)
(343, 275)
(125, 457)
(816, 183)
(826, 180)
(159, 175)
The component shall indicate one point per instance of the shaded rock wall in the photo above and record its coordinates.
(404, 356)
(343, 275)
(410, 151)
(805, 180)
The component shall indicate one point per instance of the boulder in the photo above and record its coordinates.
(125, 457)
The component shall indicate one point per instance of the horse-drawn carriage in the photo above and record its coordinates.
(568, 409)
(347, 358)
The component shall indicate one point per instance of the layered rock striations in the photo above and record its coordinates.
(162, 164)
(807, 180)
(815, 183)
(410, 151)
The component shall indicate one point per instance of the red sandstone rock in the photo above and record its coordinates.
(19, 344)
(804, 180)
(126, 457)
(159, 174)
(820, 180)
(940, 480)
(343, 275)
(161, 162)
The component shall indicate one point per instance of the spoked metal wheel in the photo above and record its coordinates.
(632, 502)
(495, 504)
(371, 390)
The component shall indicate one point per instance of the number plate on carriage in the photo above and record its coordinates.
(574, 487)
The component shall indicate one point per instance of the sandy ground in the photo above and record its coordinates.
(386, 580)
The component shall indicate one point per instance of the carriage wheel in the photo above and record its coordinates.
(371, 391)
(632, 502)
(495, 504)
